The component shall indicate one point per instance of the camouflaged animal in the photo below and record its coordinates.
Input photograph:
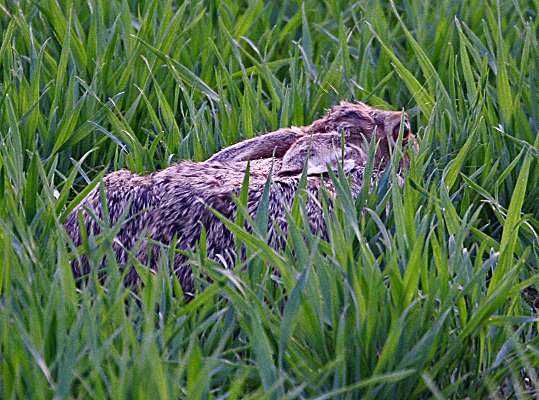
(176, 202)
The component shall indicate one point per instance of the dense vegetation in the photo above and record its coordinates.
(425, 291)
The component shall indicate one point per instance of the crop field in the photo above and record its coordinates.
(428, 290)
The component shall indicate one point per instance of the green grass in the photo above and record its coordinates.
(417, 296)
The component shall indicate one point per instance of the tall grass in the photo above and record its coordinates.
(418, 294)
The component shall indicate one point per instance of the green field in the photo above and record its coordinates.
(425, 291)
